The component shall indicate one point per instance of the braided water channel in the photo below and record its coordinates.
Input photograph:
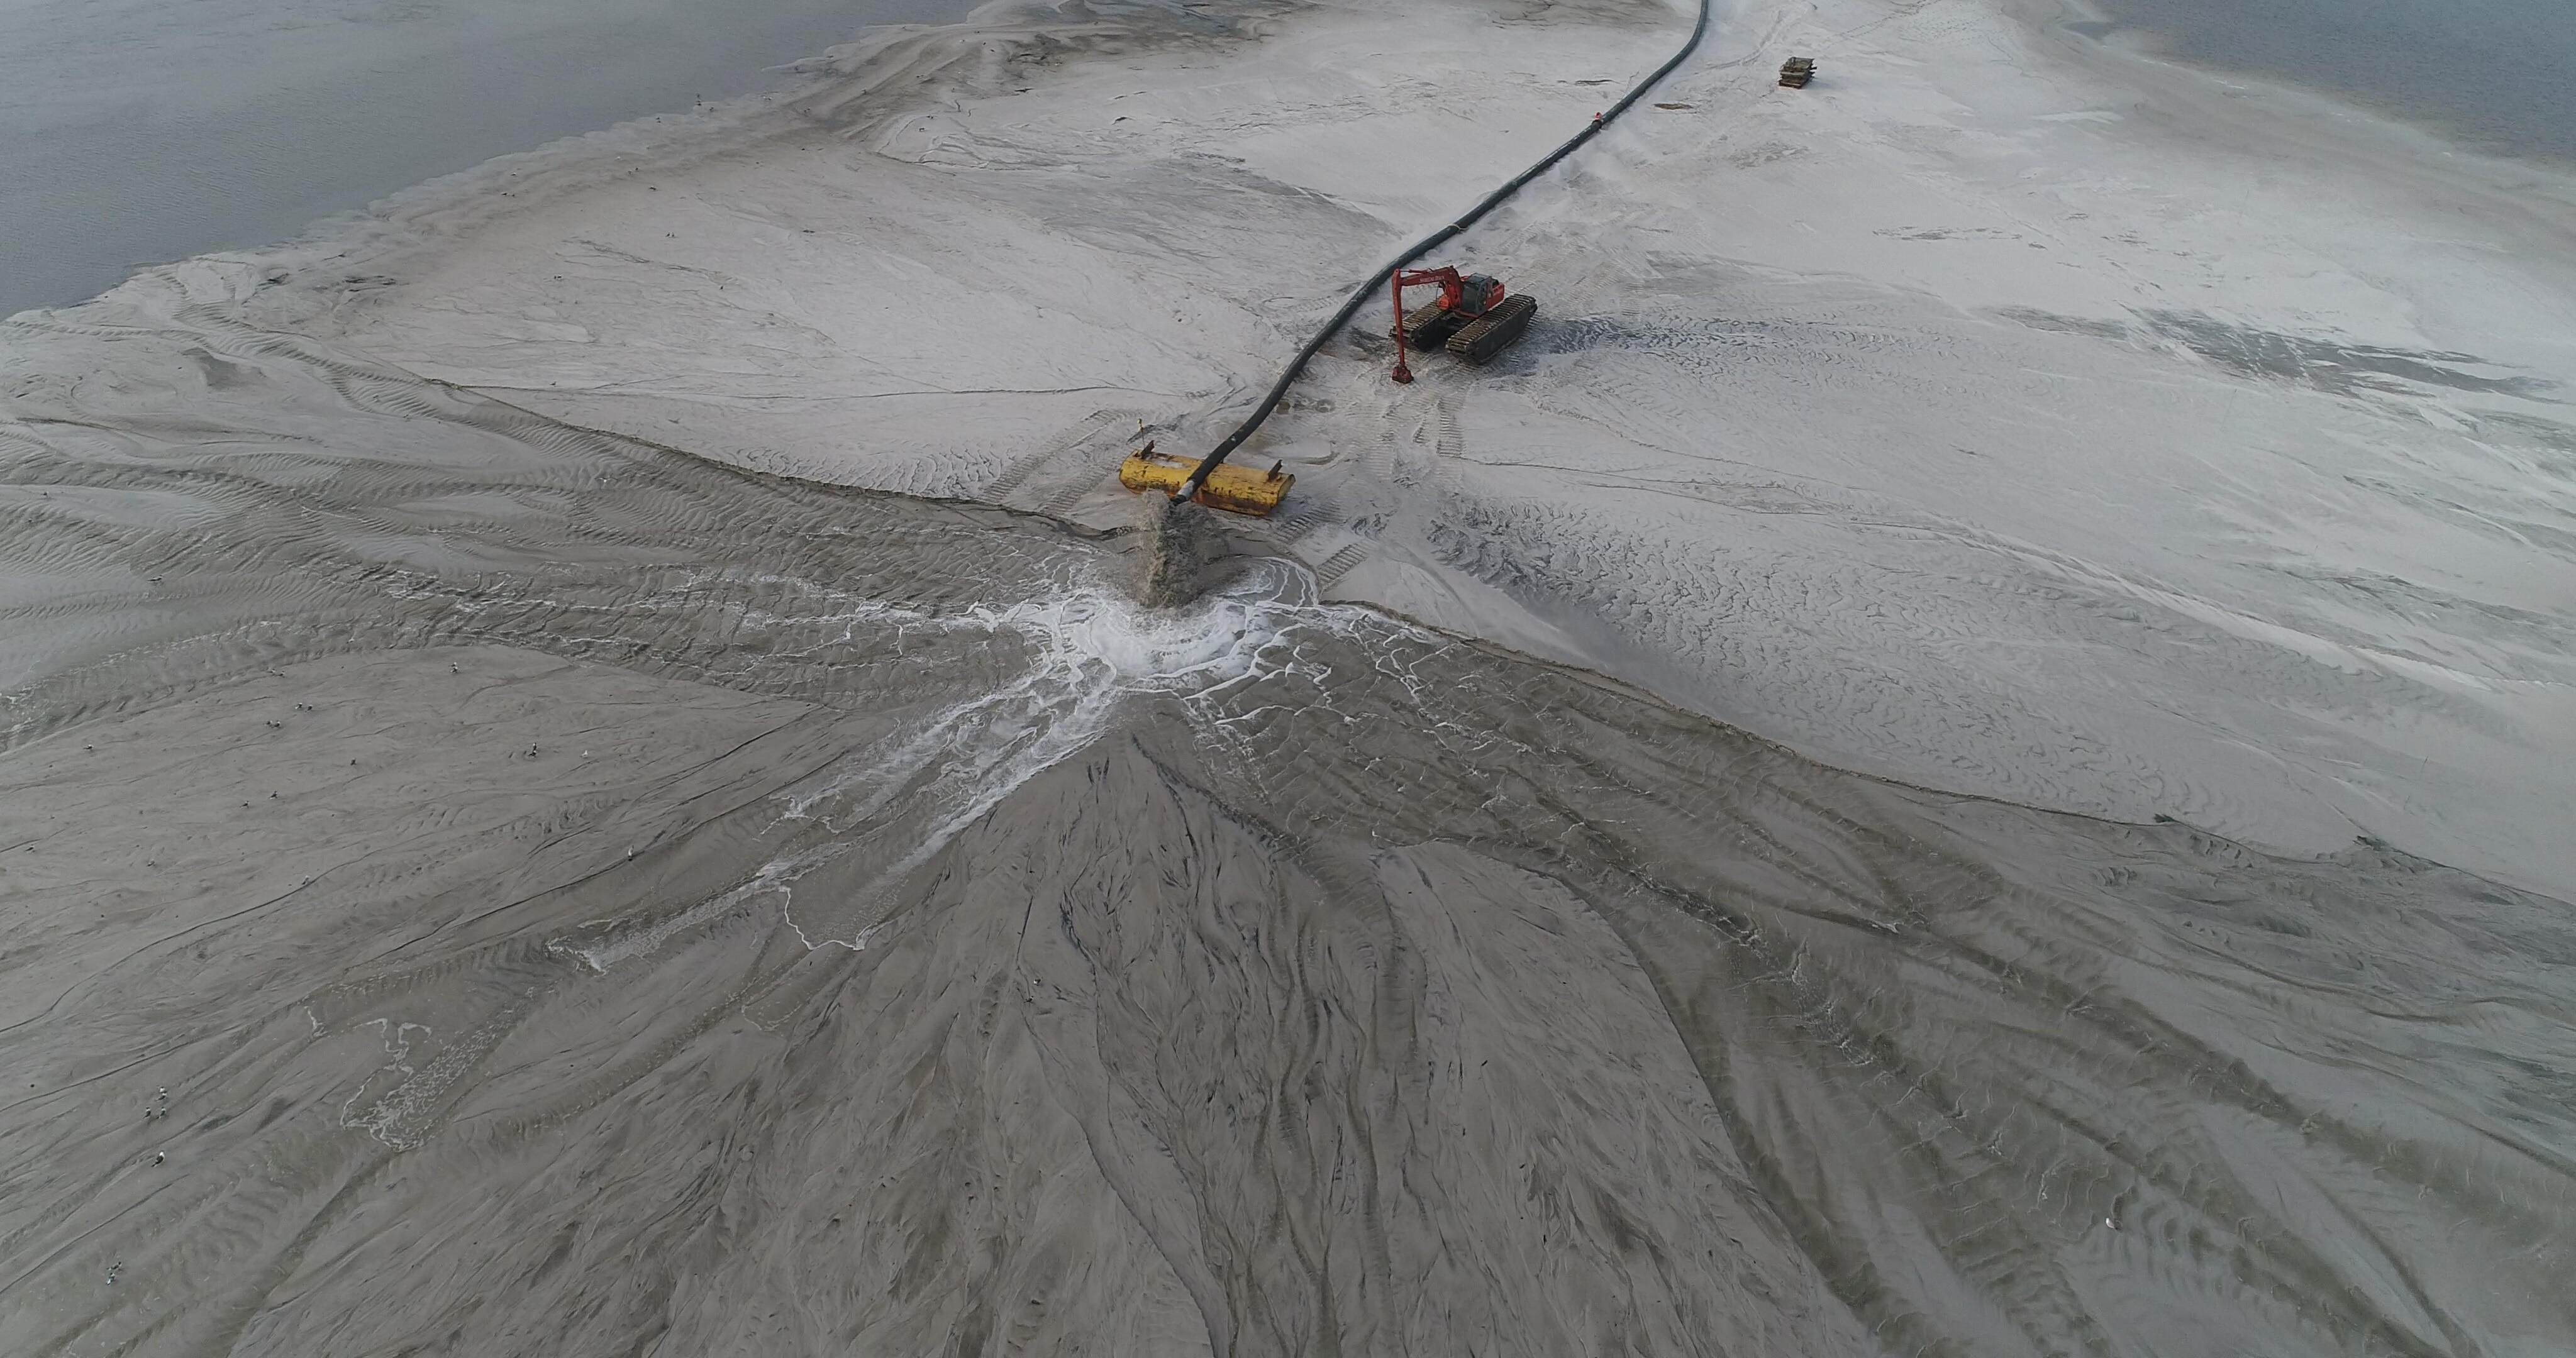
(477, 884)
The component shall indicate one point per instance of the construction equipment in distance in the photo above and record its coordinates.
(1797, 71)
(1240, 490)
(1472, 317)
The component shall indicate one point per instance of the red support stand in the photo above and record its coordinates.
(1402, 373)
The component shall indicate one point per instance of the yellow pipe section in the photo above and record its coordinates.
(1238, 490)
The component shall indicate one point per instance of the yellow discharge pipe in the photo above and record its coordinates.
(1240, 490)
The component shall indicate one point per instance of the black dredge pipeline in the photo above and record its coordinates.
(1379, 280)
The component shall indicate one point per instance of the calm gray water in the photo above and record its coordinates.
(133, 131)
(2497, 75)
(136, 131)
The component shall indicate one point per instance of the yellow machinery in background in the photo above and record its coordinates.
(1240, 490)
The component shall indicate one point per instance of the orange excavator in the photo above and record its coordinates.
(1472, 317)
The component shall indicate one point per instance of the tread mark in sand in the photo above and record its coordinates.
(1405, 424)
(1301, 523)
(1027, 465)
(1063, 501)
(1339, 564)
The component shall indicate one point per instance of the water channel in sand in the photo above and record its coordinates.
(477, 882)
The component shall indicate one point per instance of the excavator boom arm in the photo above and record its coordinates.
(1452, 286)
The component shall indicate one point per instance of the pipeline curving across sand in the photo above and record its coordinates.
(1450, 231)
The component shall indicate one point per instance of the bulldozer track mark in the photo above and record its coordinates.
(1379, 461)
(1029, 464)
(1305, 521)
(1408, 424)
(1000, 487)
(1339, 564)
(1070, 494)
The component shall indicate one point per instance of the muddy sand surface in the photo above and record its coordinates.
(2006, 414)
(489, 886)
(505, 873)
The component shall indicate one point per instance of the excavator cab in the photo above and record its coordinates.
(1430, 325)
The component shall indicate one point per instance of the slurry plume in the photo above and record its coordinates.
(1183, 543)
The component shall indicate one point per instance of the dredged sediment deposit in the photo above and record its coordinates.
(477, 884)
(2000, 414)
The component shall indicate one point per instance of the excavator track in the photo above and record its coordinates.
(1481, 339)
(1429, 327)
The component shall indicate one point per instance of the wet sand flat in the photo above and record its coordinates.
(776, 917)
(2008, 414)
(1296, 1009)
(487, 864)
